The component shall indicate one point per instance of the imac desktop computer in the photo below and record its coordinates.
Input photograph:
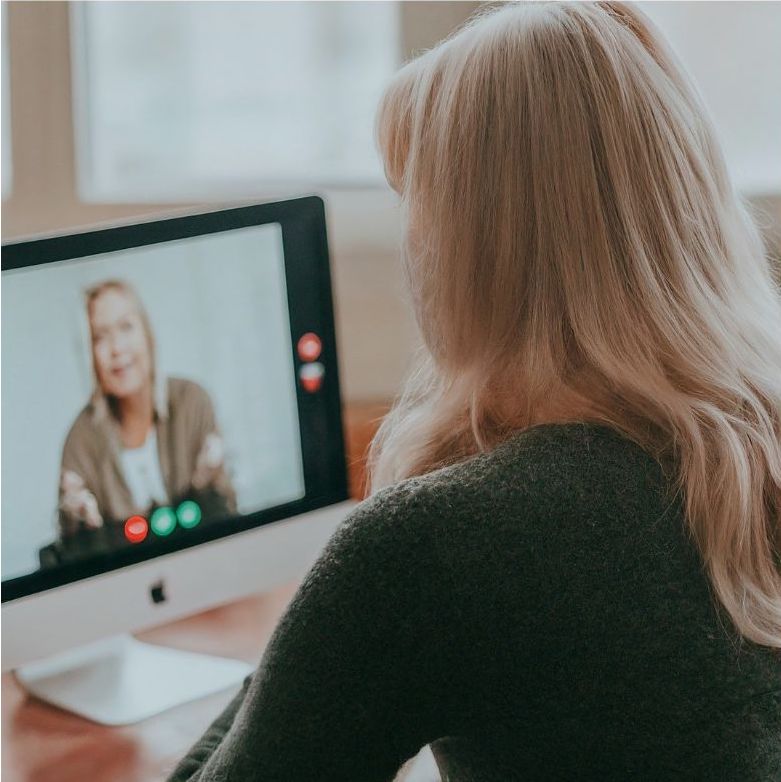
(171, 441)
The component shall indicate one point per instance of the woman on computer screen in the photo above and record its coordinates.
(569, 569)
(142, 440)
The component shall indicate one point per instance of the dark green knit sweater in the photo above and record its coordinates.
(536, 613)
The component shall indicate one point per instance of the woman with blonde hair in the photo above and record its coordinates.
(570, 565)
(142, 441)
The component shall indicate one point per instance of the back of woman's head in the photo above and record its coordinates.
(572, 234)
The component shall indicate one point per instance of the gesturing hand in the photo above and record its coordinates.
(77, 502)
(209, 462)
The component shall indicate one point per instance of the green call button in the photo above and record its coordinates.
(189, 514)
(163, 521)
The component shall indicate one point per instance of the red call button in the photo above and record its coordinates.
(311, 376)
(136, 529)
(309, 347)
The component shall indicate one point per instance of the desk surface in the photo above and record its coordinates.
(41, 743)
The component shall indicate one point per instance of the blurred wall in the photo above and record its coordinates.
(376, 330)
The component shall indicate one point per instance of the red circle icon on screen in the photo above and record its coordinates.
(309, 347)
(311, 376)
(136, 529)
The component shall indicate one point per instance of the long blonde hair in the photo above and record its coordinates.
(572, 233)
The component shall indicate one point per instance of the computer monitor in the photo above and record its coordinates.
(171, 437)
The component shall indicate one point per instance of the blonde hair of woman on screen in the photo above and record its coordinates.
(577, 251)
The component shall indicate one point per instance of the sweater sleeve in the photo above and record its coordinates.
(188, 767)
(339, 692)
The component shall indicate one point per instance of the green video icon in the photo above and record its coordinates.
(189, 514)
(163, 521)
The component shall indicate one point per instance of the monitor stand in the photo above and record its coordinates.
(119, 680)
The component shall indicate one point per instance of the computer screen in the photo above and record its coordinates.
(164, 385)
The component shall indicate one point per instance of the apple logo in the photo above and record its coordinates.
(157, 592)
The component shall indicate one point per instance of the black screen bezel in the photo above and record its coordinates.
(310, 308)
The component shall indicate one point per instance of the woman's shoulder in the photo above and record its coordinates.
(552, 499)
(572, 440)
(182, 391)
(82, 426)
(574, 450)
(548, 455)
(552, 469)
(88, 435)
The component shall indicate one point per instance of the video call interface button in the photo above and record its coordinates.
(311, 376)
(163, 521)
(136, 529)
(189, 514)
(309, 347)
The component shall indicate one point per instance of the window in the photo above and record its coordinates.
(188, 101)
(732, 51)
